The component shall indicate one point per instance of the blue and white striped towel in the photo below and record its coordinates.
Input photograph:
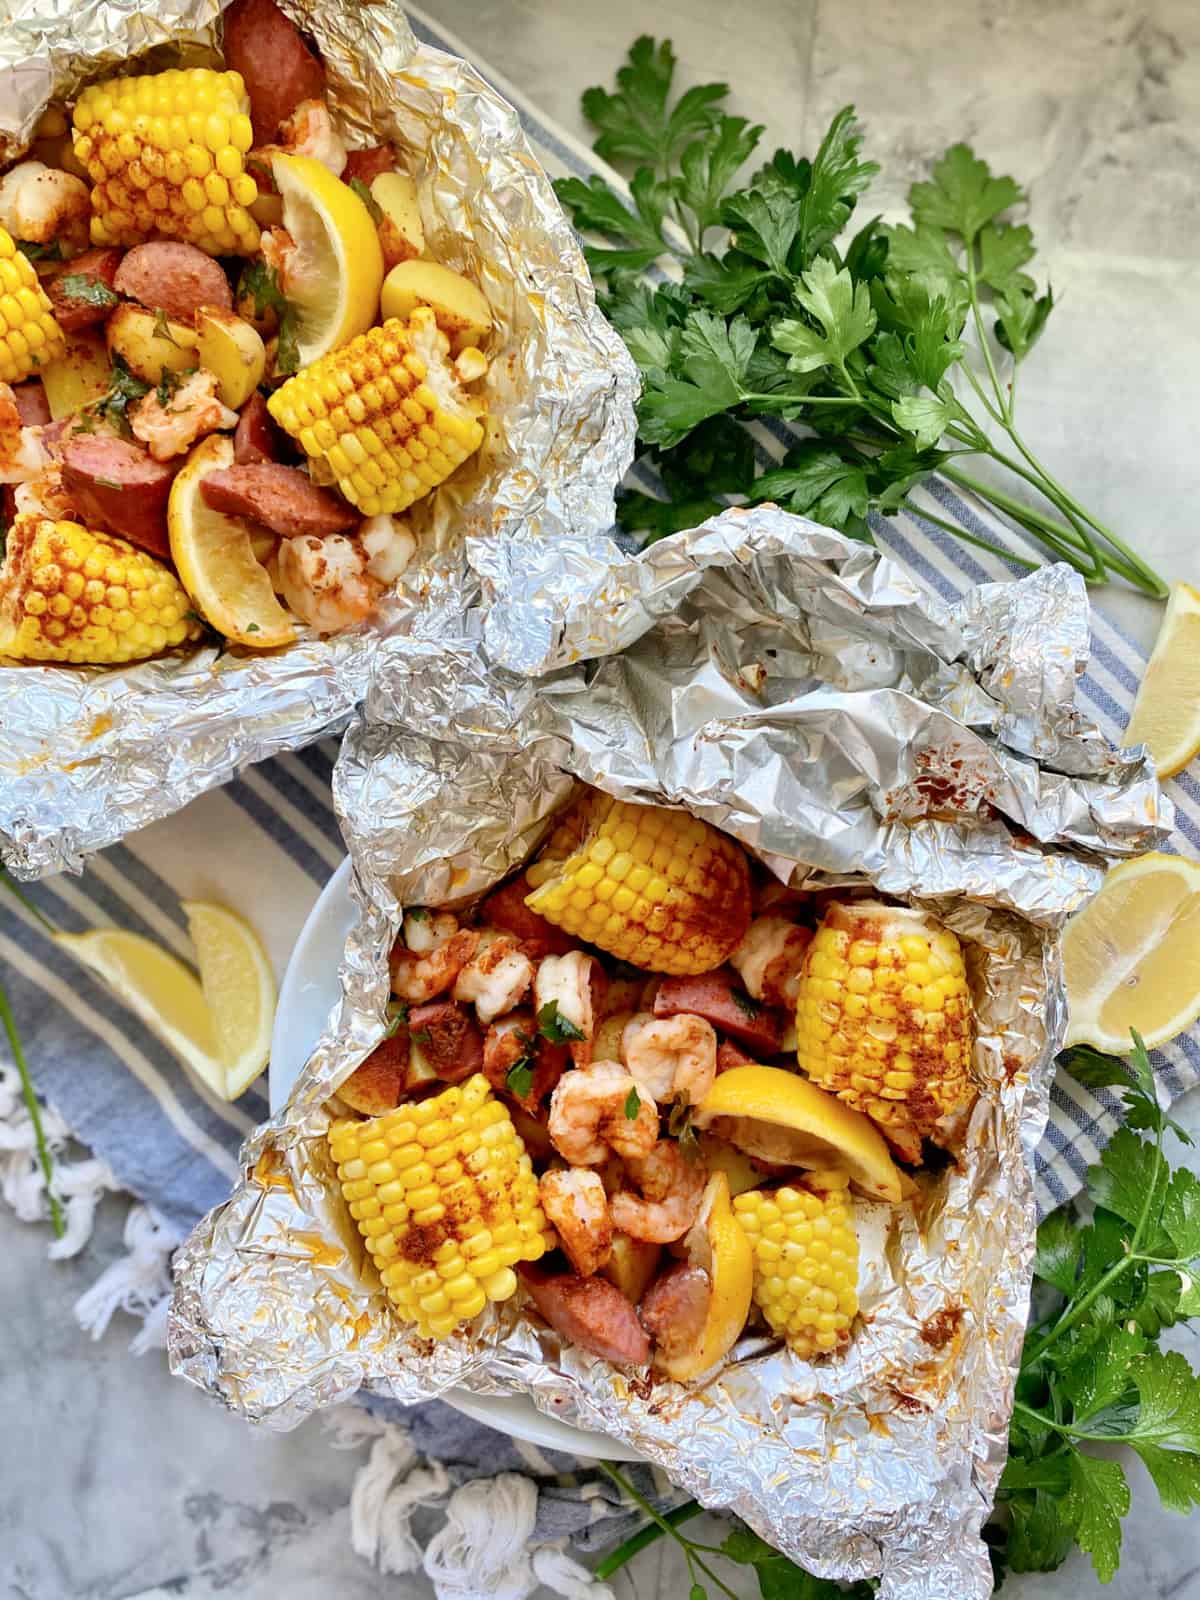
(266, 843)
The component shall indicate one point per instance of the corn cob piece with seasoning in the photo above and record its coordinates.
(805, 1260)
(166, 156)
(652, 886)
(68, 593)
(29, 335)
(385, 417)
(884, 1020)
(446, 1198)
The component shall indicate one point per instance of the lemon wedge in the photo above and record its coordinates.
(239, 987)
(782, 1118)
(215, 558)
(159, 990)
(1131, 957)
(336, 272)
(1166, 713)
(717, 1243)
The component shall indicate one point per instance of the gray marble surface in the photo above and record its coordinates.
(117, 1483)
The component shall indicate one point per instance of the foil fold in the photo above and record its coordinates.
(804, 694)
(90, 754)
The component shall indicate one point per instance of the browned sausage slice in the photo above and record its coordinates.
(505, 908)
(448, 1037)
(256, 438)
(717, 997)
(32, 406)
(378, 1083)
(117, 487)
(278, 68)
(283, 499)
(174, 277)
(366, 165)
(732, 1055)
(589, 1312)
(82, 293)
(675, 1306)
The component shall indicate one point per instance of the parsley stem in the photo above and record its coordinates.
(35, 1112)
(17, 894)
(689, 1546)
(969, 538)
(1032, 520)
(1005, 416)
(650, 1534)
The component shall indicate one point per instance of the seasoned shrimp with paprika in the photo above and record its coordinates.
(429, 956)
(667, 1199)
(577, 1207)
(599, 1109)
(672, 1056)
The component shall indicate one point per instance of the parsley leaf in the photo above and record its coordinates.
(637, 123)
(162, 328)
(374, 209)
(841, 310)
(519, 1077)
(85, 290)
(1094, 1504)
(962, 194)
(40, 252)
(633, 1104)
(554, 1026)
(124, 389)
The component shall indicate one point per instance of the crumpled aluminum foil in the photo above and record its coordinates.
(803, 693)
(89, 755)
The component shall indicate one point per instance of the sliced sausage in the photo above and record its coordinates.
(278, 68)
(448, 1037)
(505, 908)
(32, 406)
(589, 1312)
(118, 488)
(168, 275)
(732, 1055)
(83, 293)
(717, 997)
(366, 165)
(283, 499)
(256, 438)
(516, 1036)
(675, 1306)
(378, 1083)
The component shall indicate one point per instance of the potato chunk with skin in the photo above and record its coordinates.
(401, 232)
(459, 307)
(150, 344)
(232, 351)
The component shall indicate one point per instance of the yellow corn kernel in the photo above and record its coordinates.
(805, 1252)
(70, 594)
(654, 887)
(904, 1060)
(29, 335)
(385, 416)
(187, 130)
(448, 1241)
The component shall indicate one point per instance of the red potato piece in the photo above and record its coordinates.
(505, 908)
(732, 1055)
(32, 406)
(72, 310)
(278, 68)
(283, 499)
(377, 1084)
(256, 438)
(717, 998)
(675, 1306)
(589, 1312)
(366, 165)
(168, 275)
(448, 1037)
(118, 488)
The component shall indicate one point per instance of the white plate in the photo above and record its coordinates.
(309, 991)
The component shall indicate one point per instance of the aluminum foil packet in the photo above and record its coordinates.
(802, 693)
(89, 754)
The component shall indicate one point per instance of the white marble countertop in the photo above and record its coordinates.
(117, 1483)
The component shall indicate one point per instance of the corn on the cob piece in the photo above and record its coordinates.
(166, 157)
(29, 335)
(447, 1201)
(384, 416)
(68, 593)
(884, 1021)
(805, 1260)
(658, 888)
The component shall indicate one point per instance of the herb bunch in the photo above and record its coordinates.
(898, 348)
(1092, 1371)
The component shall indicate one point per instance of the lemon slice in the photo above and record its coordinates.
(336, 271)
(780, 1117)
(1132, 956)
(159, 990)
(1166, 713)
(717, 1243)
(239, 987)
(215, 558)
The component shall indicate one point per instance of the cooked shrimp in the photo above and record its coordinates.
(590, 1115)
(577, 1207)
(22, 453)
(326, 582)
(420, 977)
(425, 930)
(672, 1056)
(310, 131)
(45, 495)
(566, 982)
(389, 545)
(670, 1188)
(770, 958)
(496, 977)
(170, 428)
(41, 204)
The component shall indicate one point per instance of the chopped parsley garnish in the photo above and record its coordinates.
(519, 1077)
(124, 389)
(744, 1003)
(87, 291)
(162, 328)
(40, 252)
(633, 1104)
(368, 199)
(554, 1026)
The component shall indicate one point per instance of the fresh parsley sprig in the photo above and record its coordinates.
(28, 1093)
(899, 348)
